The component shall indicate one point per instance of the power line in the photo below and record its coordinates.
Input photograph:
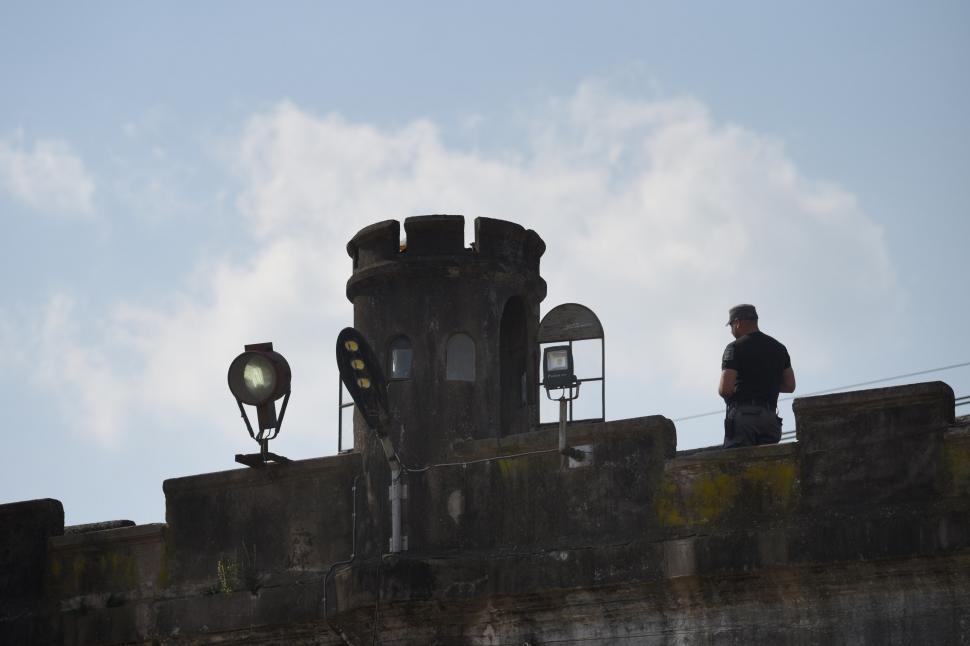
(831, 390)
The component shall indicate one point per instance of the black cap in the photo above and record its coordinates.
(742, 312)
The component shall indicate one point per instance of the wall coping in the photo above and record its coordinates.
(906, 395)
(262, 476)
(547, 437)
(150, 533)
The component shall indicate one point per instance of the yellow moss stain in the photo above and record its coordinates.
(78, 566)
(687, 498)
(958, 467)
(120, 568)
(57, 568)
(667, 504)
(778, 480)
(512, 468)
(164, 578)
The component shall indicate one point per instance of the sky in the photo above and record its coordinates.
(180, 179)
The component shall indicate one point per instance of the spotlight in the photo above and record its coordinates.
(259, 377)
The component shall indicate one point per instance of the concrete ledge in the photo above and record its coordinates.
(656, 427)
(249, 477)
(148, 533)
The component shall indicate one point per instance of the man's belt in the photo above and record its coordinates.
(763, 403)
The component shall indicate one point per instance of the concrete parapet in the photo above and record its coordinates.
(106, 582)
(24, 530)
(728, 489)
(432, 238)
(281, 518)
(123, 562)
(374, 244)
(507, 545)
(874, 445)
(508, 241)
(514, 493)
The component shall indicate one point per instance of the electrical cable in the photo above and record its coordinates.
(467, 462)
(832, 390)
(347, 561)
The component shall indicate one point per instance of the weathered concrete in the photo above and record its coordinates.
(857, 533)
(643, 546)
(24, 530)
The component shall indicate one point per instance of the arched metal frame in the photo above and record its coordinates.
(571, 322)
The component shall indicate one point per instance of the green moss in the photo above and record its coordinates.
(776, 479)
(699, 497)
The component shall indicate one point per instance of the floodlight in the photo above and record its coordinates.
(258, 377)
(557, 368)
(557, 374)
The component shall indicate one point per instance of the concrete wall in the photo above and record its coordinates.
(857, 533)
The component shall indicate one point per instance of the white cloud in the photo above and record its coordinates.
(47, 177)
(86, 376)
(654, 214)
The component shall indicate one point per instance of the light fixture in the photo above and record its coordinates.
(361, 374)
(557, 374)
(259, 377)
(557, 368)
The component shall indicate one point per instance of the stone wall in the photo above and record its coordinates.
(857, 533)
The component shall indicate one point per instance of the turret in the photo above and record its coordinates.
(454, 326)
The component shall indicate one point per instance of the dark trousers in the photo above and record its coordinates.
(750, 424)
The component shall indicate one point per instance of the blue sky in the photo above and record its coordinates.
(178, 180)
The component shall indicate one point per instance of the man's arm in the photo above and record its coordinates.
(729, 383)
(787, 381)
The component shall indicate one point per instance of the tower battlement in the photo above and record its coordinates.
(435, 236)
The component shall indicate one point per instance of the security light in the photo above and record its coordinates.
(557, 374)
(258, 377)
(557, 368)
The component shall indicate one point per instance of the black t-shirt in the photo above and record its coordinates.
(759, 360)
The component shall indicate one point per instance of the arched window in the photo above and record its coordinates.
(460, 358)
(399, 358)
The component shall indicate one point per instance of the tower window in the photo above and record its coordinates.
(460, 358)
(399, 358)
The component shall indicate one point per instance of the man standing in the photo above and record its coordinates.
(754, 369)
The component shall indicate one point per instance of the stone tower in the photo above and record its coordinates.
(455, 327)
